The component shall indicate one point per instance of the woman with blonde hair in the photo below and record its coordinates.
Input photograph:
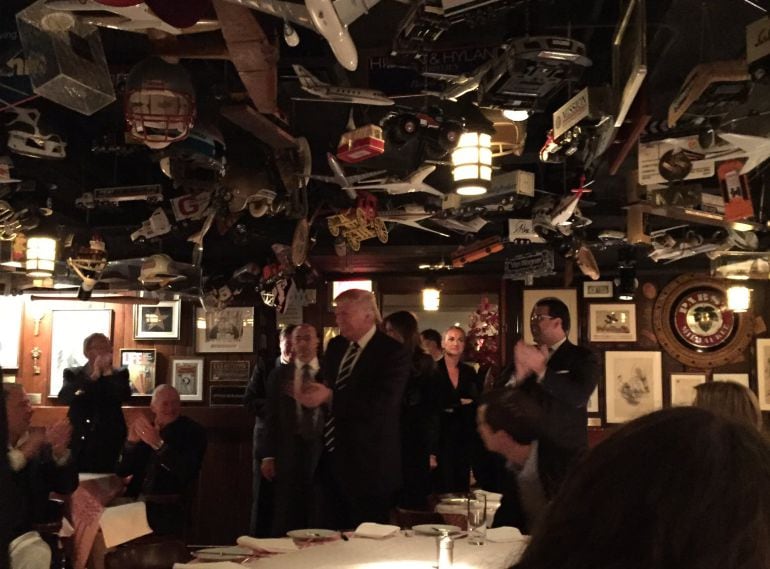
(731, 400)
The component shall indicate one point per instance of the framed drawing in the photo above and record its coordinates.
(68, 330)
(597, 289)
(683, 387)
(567, 295)
(227, 330)
(187, 378)
(158, 322)
(742, 378)
(141, 370)
(633, 384)
(10, 331)
(763, 373)
(236, 371)
(612, 323)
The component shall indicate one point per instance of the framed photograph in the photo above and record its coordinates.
(229, 330)
(10, 331)
(187, 378)
(612, 323)
(68, 330)
(742, 378)
(235, 371)
(141, 370)
(683, 387)
(158, 322)
(634, 384)
(763, 373)
(598, 289)
(567, 295)
(220, 395)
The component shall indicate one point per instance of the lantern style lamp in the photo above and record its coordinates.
(472, 164)
(431, 296)
(738, 298)
(41, 256)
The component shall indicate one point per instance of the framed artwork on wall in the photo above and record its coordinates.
(157, 322)
(763, 373)
(10, 331)
(598, 289)
(633, 384)
(235, 371)
(68, 330)
(612, 323)
(683, 387)
(141, 370)
(567, 295)
(187, 378)
(742, 378)
(230, 330)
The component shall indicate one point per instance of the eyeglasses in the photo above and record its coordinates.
(539, 317)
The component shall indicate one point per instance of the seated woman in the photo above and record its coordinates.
(679, 488)
(730, 399)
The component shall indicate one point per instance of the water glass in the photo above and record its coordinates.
(477, 518)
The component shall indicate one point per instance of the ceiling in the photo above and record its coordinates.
(680, 34)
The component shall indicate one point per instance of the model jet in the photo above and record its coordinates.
(330, 18)
(487, 73)
(334, 94)
(668, 248)
(564, 217)
(409, 215)
(413, 183)
(344, 181)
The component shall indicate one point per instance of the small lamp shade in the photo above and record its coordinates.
(472, 164)
(738, 298)
(431, 299)
(41, 257)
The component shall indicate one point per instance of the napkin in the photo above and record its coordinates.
(503, 534)
(272, 545)
(375, 531)
(214, 565)
(120, 524)
(492, 496)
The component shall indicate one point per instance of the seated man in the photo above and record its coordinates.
(511, 424)
(164, 456)
(41, 463)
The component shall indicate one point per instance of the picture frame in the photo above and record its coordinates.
(10, 331)
(598, 289)
(234, 371)
(567, 295)
(634, 386)
(157, 322)
(683, 387)
(229, 330)
(187, 377)
(763, 373)
(742, 378)
(226, 395)
(68, 330)
(612, 322)
(141, 370)
(593, 401)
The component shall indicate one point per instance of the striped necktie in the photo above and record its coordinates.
(343, 375)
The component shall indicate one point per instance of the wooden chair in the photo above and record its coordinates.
(156, 553)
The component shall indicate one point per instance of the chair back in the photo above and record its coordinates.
(160, 554)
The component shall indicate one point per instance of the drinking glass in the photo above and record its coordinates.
(477, 518)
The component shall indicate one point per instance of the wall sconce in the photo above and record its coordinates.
(41, 257)
(431, 297)
(472, 164)
(738, 298)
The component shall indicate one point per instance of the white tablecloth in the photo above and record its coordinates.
(418, 552)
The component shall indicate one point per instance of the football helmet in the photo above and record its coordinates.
(26, 137)
(203, 149)
(88, 264)
(159, 103)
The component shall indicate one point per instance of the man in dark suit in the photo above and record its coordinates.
(366, 372)
(511, 423)
(560, 375)
(293, 438)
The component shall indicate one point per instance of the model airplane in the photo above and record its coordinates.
(333, 94)
(409, 215)
(330, 18)
(414, 183)
(138, 18)
(344, 181)
(564, 217)
(668, 248)
(487, 73)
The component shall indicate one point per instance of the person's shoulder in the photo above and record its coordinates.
(190, 425)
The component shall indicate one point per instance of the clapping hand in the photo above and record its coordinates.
(58, 436)
(146, 431)
(312, 394)
(31, 447)
(529, 359)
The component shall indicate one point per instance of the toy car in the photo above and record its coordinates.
(359, 223)
(440, 134)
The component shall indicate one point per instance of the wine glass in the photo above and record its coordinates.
(477, 518)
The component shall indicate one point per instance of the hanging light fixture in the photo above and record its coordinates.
(738, 298)
(431, 296)
(41, 256)
(472, 164)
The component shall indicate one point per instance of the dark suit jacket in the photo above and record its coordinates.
(367, 459)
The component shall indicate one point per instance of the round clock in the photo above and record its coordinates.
(693, 324)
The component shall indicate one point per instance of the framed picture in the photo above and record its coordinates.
(10, 331)
(597, 289)
(187, 378)
(227, 330)
(567, 295)
(220, 395)
(236, 371)
(683, 387)
(612, 323)
(141, 370)
(763, 373)
(742, 378)
(158, 322)
(68, 330)
(634, 384)
(593, 401)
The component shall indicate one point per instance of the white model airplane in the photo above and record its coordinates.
(138, 18)
(488, 73)
(560, 218)
(344, 181)
(409, 215)
(330, 18)
(414, 183)
(334, 94)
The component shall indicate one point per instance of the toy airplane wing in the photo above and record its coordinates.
(412, 224)
(757, 148)
(350, 10)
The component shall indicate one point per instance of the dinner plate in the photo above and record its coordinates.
(435, 529)
(312, 533)
(229, 553)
